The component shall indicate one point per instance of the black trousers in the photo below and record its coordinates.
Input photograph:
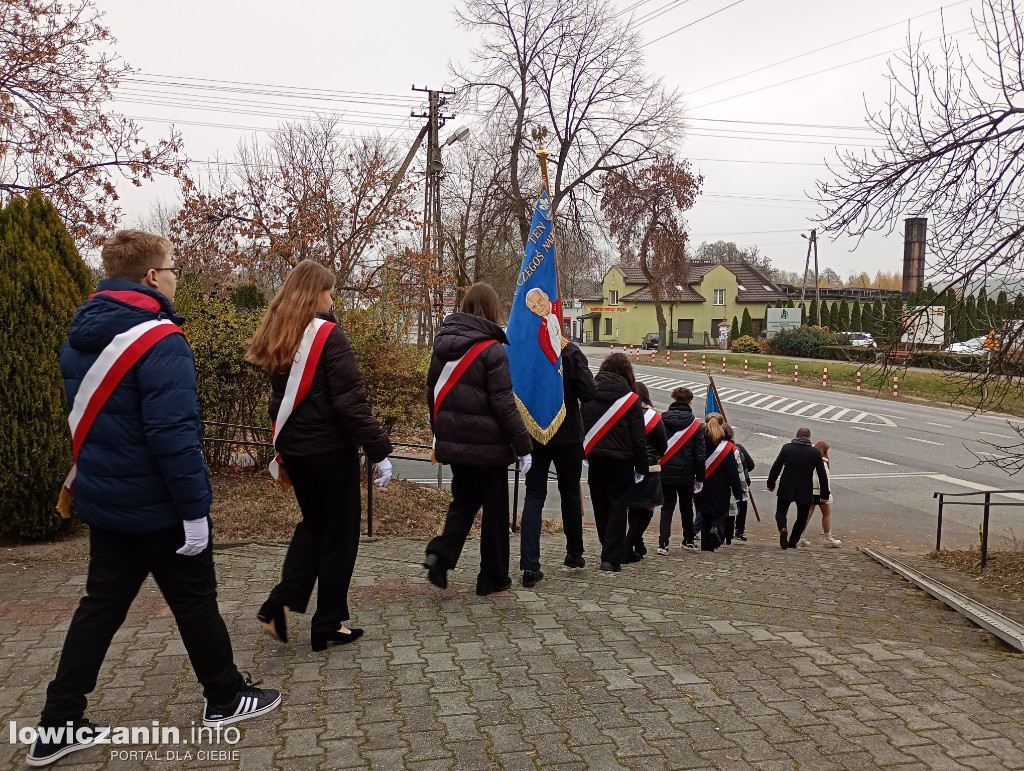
(611, 483)
(118, 564)
(638, 520)
(326, 541)
(685, 497)
(802, 512)
(741, 517)
(568, 460)
(473, 488)
(710, 518)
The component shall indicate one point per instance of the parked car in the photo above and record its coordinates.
(651, 340)
(862, 340)
(972, 347)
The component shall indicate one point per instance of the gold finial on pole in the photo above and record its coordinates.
(542, 156)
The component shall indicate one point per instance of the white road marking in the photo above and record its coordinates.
(770, 405)
(789, 406)
(974, 486)
(940, 425)
(766, 436)
(746, 399)
(806, 407)
(731, 398)
(1000, 436)
(758, 402)
(876, 460)
(819, 413)
(862, 428)
(923, 441)
(839, 414)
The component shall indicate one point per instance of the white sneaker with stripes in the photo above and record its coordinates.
(250, 701)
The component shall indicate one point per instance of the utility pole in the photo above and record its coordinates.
(812, 244)
(432, 236)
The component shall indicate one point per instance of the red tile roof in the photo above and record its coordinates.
(755, 286)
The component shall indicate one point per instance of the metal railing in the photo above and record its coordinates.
(252, 430)
(987, 505)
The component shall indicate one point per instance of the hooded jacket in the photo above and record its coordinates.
(478, 423)
(335, 415)
(140, 468)
(626, 439)
(687, 465)
(798, 461)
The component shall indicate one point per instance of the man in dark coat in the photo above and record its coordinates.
(797, 462)
(565, 450)
(143, 489)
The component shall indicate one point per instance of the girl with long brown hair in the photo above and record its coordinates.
(721, 477)
(825, 504)
(317, 435)
(479, 432)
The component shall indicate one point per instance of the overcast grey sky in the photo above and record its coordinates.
(736, 91)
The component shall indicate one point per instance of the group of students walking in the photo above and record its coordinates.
(143, 488)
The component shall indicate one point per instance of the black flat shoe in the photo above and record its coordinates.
(320, 643)
(610, 567)
(436, 573)
(274, 621)
(483, 590)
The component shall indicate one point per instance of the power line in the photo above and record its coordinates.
(692, 23)
(826, 47)
(821, 72)
(740, 160)
(777, 123)
(307, 89)
(659, 12)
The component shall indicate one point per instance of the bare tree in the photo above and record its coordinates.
(645, 207)
(572, 76)
(57, 132)
(953, 135)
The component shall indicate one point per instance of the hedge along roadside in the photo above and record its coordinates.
(236, 393)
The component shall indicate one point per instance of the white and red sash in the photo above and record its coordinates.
(612, 416)
(454, 370)
(723, 451)
(678, 439)
(651, 419)
(300, 378)
(100, 381)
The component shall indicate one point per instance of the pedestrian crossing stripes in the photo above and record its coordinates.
(785, 405)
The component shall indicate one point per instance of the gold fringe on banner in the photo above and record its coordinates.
(542, 435)
(64, 502)
(283, 480)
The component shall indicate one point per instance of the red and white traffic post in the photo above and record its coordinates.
(858, 380)
(723, 364)
(703, 361)
(746, 367)
(668, 357)
(895, 386)
(686, 359)
(824, 377)
(769, 369)
(796, 372)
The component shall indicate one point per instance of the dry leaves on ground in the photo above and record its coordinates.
(1004, 570)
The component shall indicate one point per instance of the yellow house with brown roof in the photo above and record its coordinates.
(714, 292)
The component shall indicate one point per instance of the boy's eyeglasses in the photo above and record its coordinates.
(175, 271)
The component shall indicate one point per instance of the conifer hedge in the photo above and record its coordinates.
(42, 281)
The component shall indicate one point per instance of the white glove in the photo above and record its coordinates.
(586, 464)
(384, 473)
(197, 537)
(746, 497)
(697, 487)
(525, 462)
(637, 478)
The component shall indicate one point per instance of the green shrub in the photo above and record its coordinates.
(43, 280)
(248, 297)
(745, 344)
(848, 353)
(803, 341)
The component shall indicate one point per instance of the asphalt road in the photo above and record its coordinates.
(887, 457)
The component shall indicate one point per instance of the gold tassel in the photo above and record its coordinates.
(64, 502)
(542, 435)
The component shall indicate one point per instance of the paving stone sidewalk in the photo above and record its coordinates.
(748, 658)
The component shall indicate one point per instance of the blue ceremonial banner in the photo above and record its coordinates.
(535, 330)
(712, 404)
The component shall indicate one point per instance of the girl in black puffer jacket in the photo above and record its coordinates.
(616, 449)
(684, 468)
(647, 494)
(479, 432)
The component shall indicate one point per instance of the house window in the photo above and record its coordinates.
(685, 329)
(607, 327)
(719, 297)
(614, 296)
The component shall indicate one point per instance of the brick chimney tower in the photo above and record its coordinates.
(915, 232)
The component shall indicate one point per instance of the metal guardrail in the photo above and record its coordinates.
(987, 503)
(1006, 629)
(369, 466)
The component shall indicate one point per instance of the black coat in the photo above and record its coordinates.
(335, 414)
(687, 465)
(797, 462)
(478, 423)
(713, 500)
(578, 386)
(626, 440)
(648, 494)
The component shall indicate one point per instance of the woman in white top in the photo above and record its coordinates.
(824, 505)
